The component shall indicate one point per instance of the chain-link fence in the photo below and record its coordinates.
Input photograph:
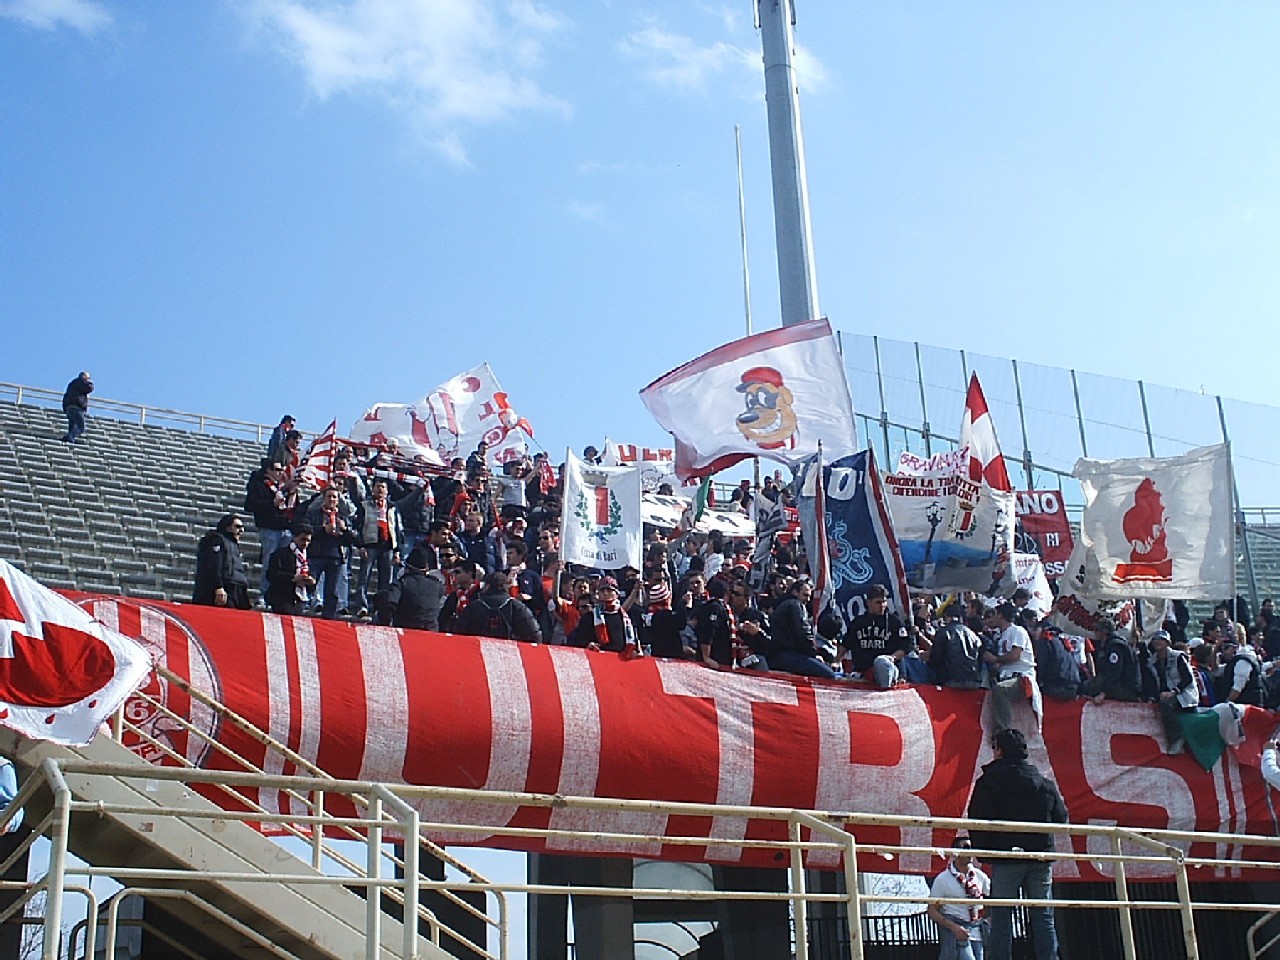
(910, 396)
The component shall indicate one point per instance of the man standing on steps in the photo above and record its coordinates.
(1011, 788)
(75, 404)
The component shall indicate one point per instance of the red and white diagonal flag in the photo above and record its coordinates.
(978, 432)
(62, 673)
(317, 465)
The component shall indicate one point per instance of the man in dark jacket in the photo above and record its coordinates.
(75, 404)
(794, 649)
(221, 580)
(1118, 674)
(1011, 788)
(289, 574)
(415, 600)
(495, 613)
(267, 496)
(331, 520)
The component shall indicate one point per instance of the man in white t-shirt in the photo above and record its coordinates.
(959, 924)
(1014, 666)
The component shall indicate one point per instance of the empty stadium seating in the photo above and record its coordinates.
(120, 512)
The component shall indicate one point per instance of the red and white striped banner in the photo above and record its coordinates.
(376, 703)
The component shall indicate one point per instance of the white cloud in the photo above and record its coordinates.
(87, 16)
(446, 64)
(591, 212)
(678, 62)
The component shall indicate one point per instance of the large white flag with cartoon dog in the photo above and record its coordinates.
(777, 394)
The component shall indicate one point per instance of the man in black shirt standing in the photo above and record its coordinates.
(878, 640)
(1011, 788)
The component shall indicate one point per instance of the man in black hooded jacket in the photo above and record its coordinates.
(1011, 788)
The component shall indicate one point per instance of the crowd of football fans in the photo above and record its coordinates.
(464, 549)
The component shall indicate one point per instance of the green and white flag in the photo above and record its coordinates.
(600, 519)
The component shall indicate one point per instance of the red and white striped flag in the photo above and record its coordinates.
(317, 465)
(978, 433)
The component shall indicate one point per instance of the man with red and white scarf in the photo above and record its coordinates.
(959, 924)
(270, 497)
(380, 535)
(608, 627)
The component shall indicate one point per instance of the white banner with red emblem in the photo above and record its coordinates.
(775, 395)
(374, 703)
(1158, 527)
(61, 673)
(600, 520)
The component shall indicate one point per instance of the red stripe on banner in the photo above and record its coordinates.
(450, 721)
(342, 700)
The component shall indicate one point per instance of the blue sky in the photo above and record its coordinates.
(254, 206)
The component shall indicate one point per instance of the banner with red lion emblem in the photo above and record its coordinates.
(775, 395)
(1158, 527)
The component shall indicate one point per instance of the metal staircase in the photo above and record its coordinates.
(213, 871)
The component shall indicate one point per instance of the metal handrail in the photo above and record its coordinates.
(808, 831)
(142, 413)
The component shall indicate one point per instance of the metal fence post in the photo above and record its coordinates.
(1237, 519)
(1146, 419)
(1184, 908)
(799, 905)
(924, 404)
(884, 411)
(1075, 389)
(373, 871)
(1122, 897)
(1022, 420)
(854, 909)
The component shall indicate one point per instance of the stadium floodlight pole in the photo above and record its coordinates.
(797, 276)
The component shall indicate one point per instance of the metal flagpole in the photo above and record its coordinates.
(746, 272)
(1237, 525)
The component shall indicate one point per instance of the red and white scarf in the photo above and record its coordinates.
(304, 568)
(602, 629)
(972, 887)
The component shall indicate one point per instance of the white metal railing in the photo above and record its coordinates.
(806, 832)
(142, 413)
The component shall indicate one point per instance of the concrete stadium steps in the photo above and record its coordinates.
(120, 512)
(310, 921)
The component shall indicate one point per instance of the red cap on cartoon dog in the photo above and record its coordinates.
(760, 375)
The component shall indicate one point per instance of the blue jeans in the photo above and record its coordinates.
(1011, 879)
(793, 661)
(333, 573)
(379, 557)
(952, 949)
(885, 670)
(75, 423)
(271, 540)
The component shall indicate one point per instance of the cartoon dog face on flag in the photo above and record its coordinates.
(768, 420)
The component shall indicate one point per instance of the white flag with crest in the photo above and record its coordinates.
(600, 520)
